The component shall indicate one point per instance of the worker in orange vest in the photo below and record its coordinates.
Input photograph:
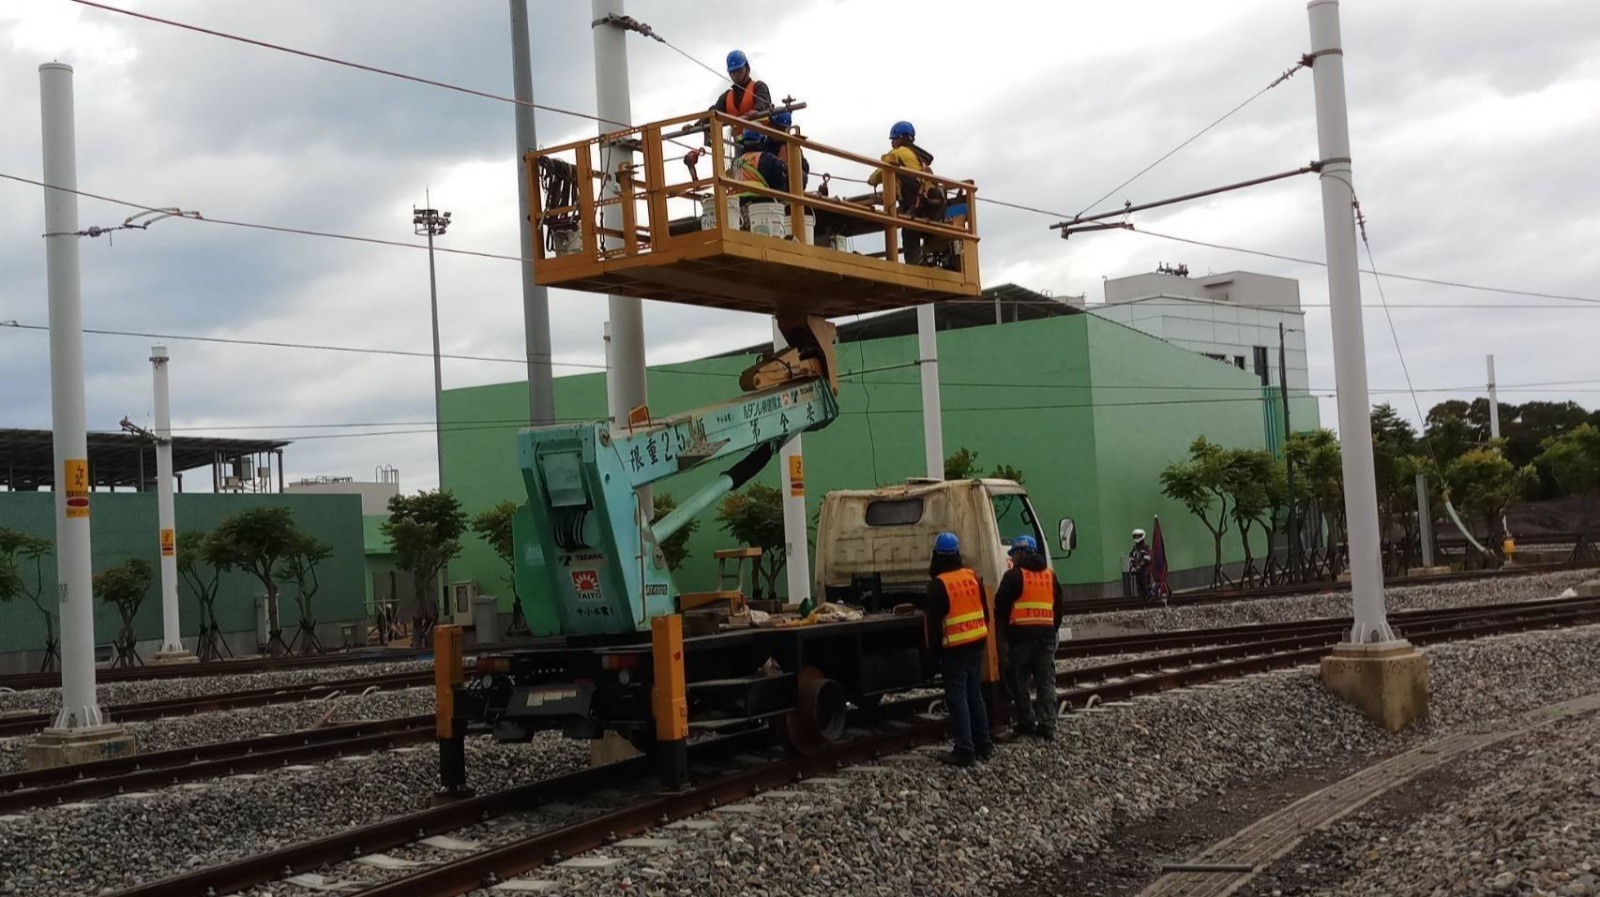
(1029, 600)
(958, 625)
(745, 98)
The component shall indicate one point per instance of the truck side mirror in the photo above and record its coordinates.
(1068, 535)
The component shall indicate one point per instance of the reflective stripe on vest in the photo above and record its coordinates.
(743, 107)
(964, 623)
(748, 170)
(1036, 606)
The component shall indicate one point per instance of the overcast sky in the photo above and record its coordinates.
(1474, 125)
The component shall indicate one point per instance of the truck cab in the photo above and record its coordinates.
(874, 545)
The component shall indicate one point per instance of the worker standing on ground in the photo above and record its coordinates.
(745, 98)
(911, 199)
(757, 164)
(1028, 601)
(1139, 559)
(958, 624)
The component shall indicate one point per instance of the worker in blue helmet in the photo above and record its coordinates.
(1028, 605)
(958, 628)
(757, 164)
(744, 98)
(783, 121)
(913, 197)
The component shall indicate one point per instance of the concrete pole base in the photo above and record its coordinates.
(1388, 681)
(69, 747)
(179, 656)
(1588, 589)
(611, 748)
(1427, 571)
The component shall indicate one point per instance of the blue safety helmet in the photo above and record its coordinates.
(781, 120)
(736, 61)
(751, 137)
(903, 129)
(1024, 543)
(946, 543)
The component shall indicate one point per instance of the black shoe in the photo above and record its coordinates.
(1022, 729)
(957, 758)
(1044, 734)
(984, 753)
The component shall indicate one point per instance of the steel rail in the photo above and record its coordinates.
(105, 778)
(1216, 596)
(27, 681)
(30, 723)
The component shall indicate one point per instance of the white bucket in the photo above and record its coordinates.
(771, 219)
(708, 212)
(566, 241)
(842, 244)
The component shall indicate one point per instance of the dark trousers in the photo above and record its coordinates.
(1031, 666)
(963, 695)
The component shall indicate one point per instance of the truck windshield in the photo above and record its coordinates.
(1014, 517)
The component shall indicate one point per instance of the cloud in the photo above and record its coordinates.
(1472, 127)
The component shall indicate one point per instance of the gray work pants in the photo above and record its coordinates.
(1032, 668)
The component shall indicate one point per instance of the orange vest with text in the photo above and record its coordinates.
(1036, 606)
(964, 623)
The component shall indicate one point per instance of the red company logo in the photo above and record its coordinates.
(586, 580)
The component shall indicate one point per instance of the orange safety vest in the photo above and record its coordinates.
(964, 624)
(748, 170)
(1036, 606)
(744, 107)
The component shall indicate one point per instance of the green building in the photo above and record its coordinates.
(1090, 411)
(123, 525)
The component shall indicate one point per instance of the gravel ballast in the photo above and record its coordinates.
(1337, 604)
(910, 825)
(139, 690)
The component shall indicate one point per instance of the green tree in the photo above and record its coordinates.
(963, 465)
(202, 559)
(1453, 428)
(1484, 483)
(755, 518)
(1006, 472)
(1573, 459)
(675, 548)
(425, 530)
(299, 568)
(125, 586)
(494, 527)
(1248, 481)
(1201, 485)
(21, 555)
(1394, 446)
(1319, 486)
(256, 541)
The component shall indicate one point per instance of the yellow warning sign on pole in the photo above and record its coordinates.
(168, 543)
(75, 483)
(797, 477)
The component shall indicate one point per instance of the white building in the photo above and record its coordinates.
(1232, 317)
(374, 495)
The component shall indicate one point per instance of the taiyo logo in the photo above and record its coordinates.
(587, 584)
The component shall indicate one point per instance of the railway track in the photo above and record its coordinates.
(1220, 596)
(13, 725)
(106, 778)
(446, 867)
(28, 681)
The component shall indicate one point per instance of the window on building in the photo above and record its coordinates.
(1238, 362)
(1262, 370)
(1221, 358)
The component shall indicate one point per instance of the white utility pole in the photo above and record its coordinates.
(171, 636)
(1349, 349)
(67, 413)
(1494, 404)
(627, 313)
(797, 550)
(932, 415)
(535, 299)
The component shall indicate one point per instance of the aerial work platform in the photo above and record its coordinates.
(662, 228)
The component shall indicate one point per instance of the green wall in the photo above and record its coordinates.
(1089, 410)
(124, 524)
